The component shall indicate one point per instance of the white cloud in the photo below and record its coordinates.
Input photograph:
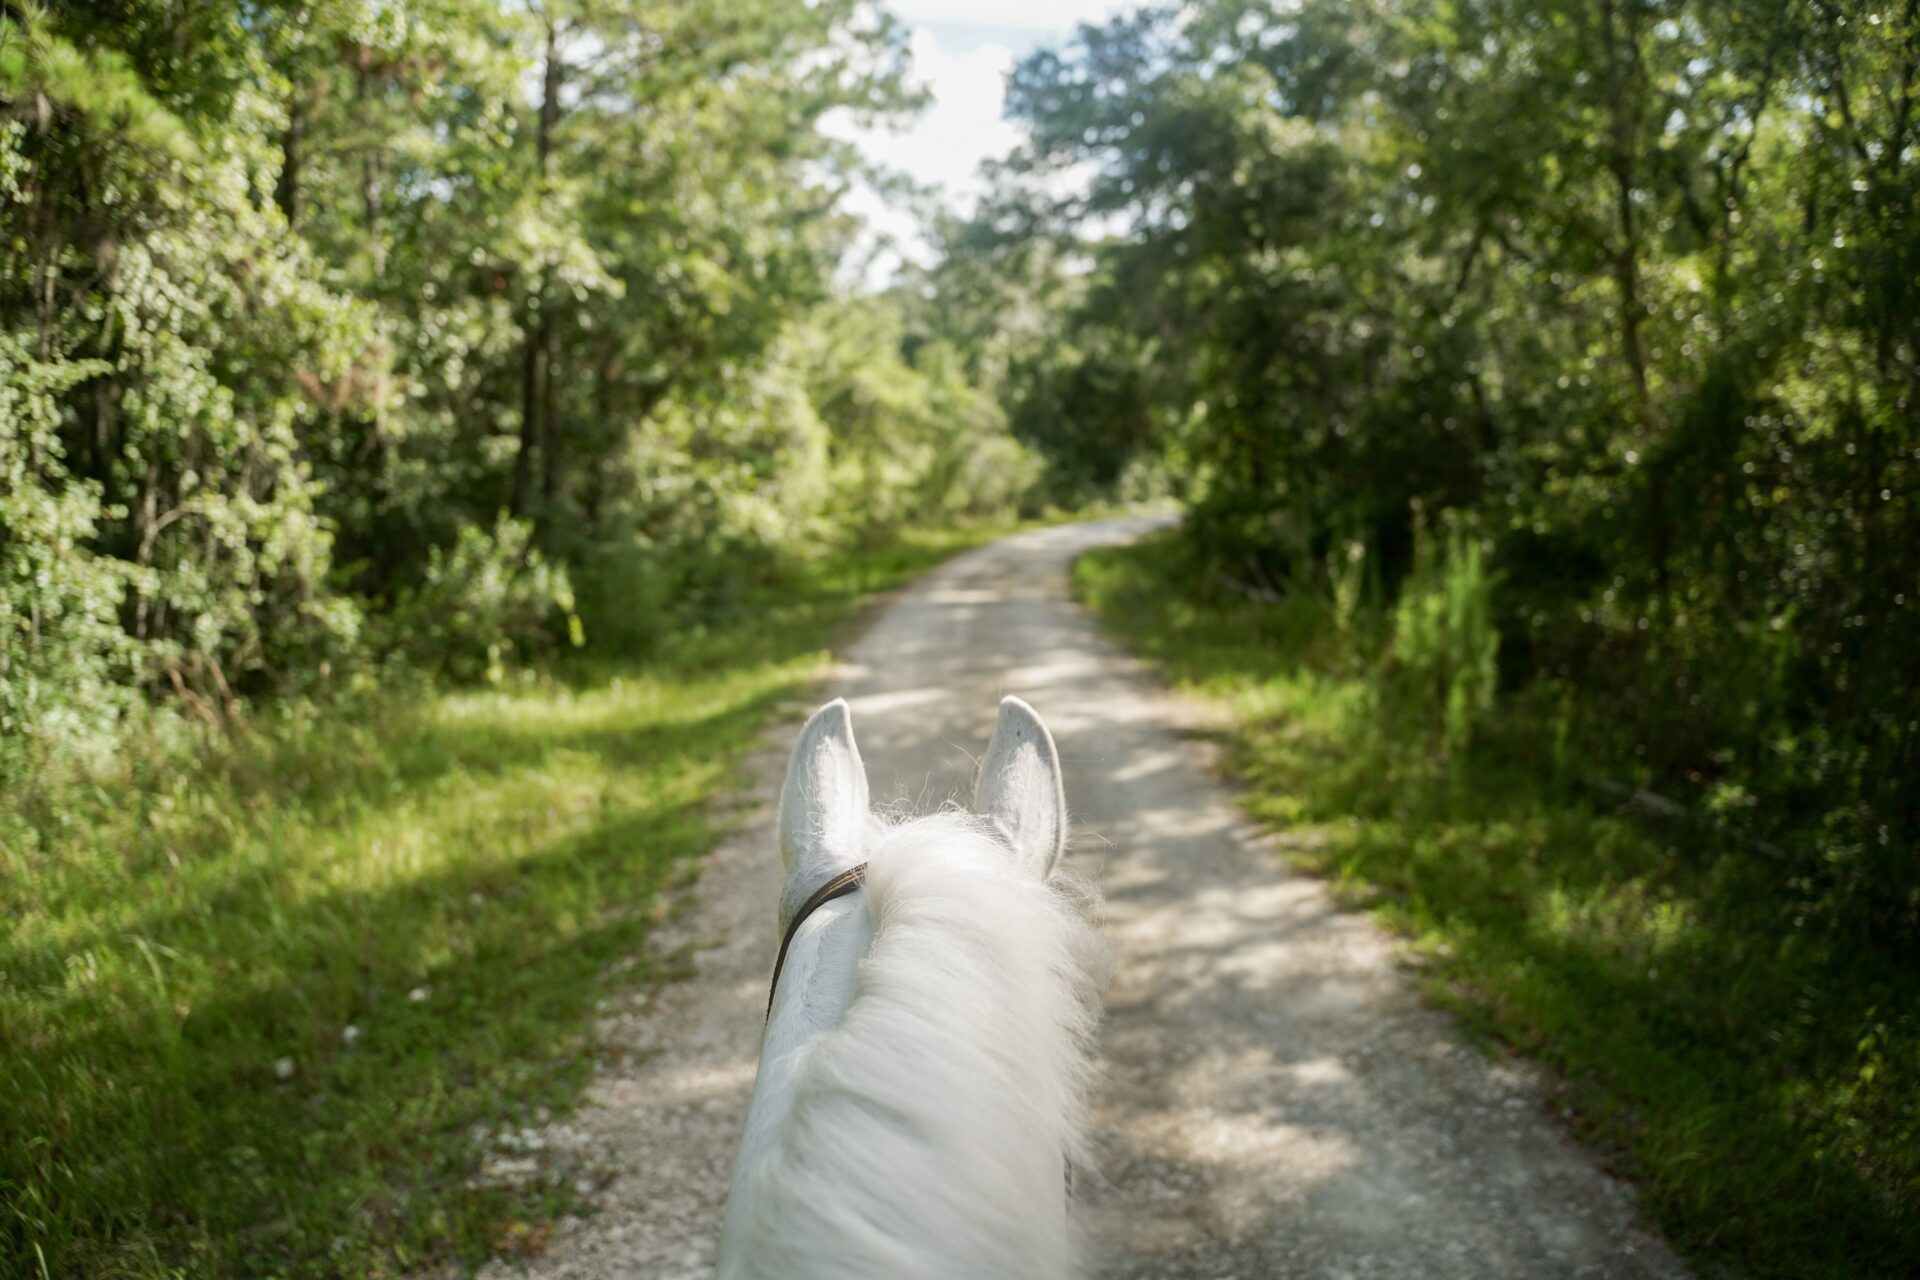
(962, 126)
(962, 51)
(943, 146)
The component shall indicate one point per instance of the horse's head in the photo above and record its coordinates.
(826, 825)
(923, 1071)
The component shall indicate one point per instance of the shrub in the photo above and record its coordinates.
(1443, 656)
(487, 601)
(67, 668)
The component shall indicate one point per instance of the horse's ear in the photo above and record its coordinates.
(1020, 790)
(823, 804)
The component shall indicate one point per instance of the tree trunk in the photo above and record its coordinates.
(530, 401)
(286, 192)
(1623, 106)
(550, 452)
(538, 429)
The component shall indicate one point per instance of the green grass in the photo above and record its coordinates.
(258, 1008)
(1757, 1077)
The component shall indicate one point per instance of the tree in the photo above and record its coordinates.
(1625, 285)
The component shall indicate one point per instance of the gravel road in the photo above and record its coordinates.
(1277, 1101)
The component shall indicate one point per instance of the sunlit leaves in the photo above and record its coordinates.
(1632, 282)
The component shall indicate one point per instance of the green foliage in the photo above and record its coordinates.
(921, 443)
(338, 342)
(1442, 656)
(277, 1007)
(1629, 286)
(295, 301)
(489, 601)
(141, 293)
(1751, 1066)
(65, 664)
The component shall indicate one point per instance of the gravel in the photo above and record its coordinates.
(1277, 1102)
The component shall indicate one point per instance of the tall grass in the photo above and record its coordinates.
(1757, 1072)
(1444, 645)
(260, 1004)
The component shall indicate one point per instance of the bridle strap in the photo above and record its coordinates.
(838, 887)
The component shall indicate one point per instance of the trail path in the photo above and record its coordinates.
(1277, 1102)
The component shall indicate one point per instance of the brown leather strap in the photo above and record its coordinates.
(838, 887)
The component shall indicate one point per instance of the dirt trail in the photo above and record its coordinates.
(1277, 1102)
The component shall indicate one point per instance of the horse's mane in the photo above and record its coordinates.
(928, 1128)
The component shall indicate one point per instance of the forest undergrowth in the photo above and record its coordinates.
(1748, 1066)
(268, 1006)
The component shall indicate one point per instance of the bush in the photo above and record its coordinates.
(1443, 659)
(490, 600)
(67, 667)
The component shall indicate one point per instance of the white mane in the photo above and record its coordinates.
(928, 1130)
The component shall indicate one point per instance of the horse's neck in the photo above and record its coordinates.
(917, 1122)
(816, 984)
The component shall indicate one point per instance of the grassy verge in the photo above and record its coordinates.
(258, 1010)
(1759, 1079)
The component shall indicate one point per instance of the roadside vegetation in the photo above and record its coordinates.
(271, 1006)
(1747, 1063)
(1541, 383)
(1623, 296)
(434, 436)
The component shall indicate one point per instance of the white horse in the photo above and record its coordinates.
(924, 1066)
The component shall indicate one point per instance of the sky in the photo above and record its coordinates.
(962, 52)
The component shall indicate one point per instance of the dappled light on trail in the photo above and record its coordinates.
(1721, 1056)
(1276, 1100)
